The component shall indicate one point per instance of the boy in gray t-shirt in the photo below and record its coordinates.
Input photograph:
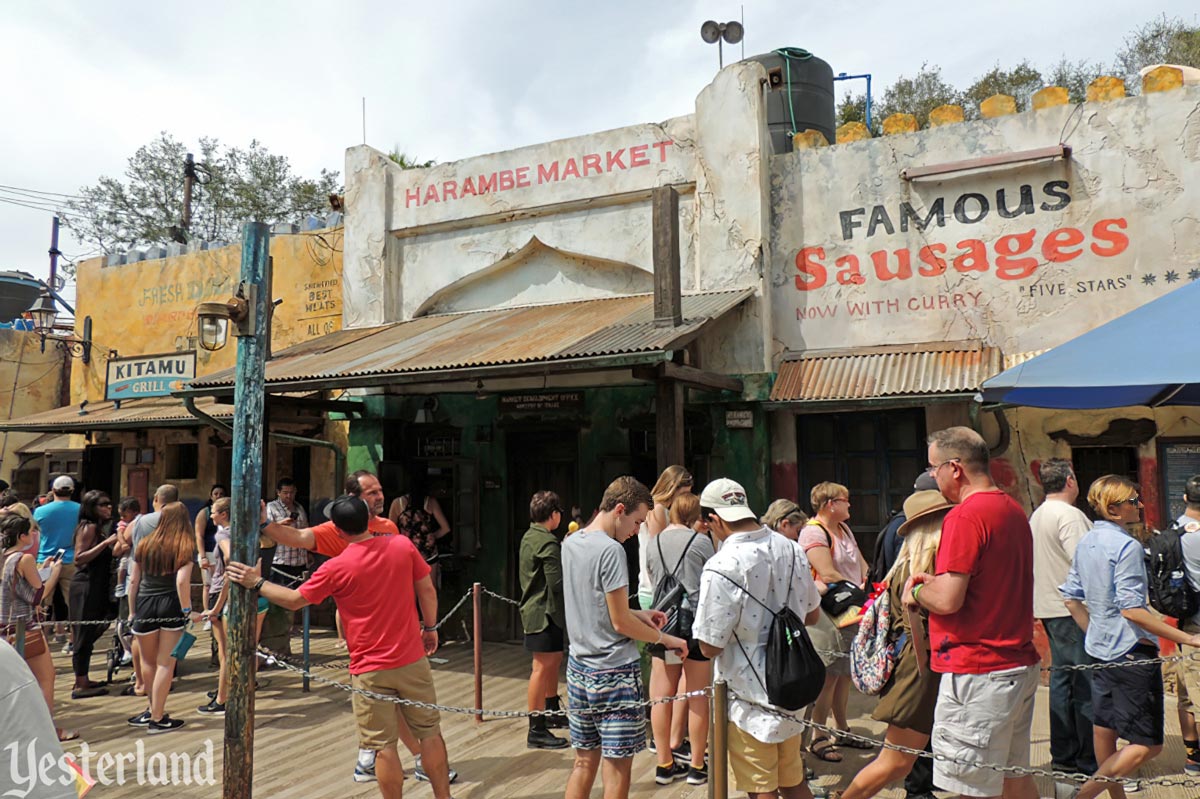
(603, 668)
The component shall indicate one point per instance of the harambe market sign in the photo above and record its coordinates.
(148, 375)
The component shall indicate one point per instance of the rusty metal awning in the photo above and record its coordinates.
(615, 332)
(129, 415)
(944, 369)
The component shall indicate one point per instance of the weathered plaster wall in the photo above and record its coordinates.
(1106, 231)
(149, 307)
(574, 214)
(30, 382)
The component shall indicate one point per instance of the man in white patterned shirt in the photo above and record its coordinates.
(752, 563)
(285, 510)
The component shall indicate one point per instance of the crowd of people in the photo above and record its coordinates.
(713, 579)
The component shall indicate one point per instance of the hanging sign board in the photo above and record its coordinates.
(149, 375)
(558, 401)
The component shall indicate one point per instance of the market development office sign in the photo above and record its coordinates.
(148, 375)
(1023, 257)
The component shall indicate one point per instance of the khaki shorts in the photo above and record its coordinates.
(377, 718)
(983, 718)
(763, 768)
(1187, 673)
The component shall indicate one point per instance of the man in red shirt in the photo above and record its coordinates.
(980, 608)
(388, 650)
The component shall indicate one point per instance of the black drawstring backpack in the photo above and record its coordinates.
(795, 673)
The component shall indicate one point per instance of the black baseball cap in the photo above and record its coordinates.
(349, 514)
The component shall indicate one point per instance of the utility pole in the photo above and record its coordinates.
(189, 179)
(54, 253)
(238, 777)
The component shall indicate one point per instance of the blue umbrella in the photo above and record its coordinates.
(1150, 356)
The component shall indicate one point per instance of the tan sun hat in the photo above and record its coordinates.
(922, 504)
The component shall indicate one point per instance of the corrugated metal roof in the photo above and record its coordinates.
(921, 369)
(529, 334)
(152, 412)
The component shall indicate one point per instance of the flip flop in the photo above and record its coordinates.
(130, 690)
(828, 753)
(66, 735)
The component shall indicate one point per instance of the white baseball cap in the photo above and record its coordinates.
(727, 499)
(63, 483)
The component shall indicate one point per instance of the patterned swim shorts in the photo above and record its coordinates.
(617, 733)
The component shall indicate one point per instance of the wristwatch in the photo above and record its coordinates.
(425, 629)
(258, 585)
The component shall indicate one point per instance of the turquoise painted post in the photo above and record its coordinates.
(246, 506)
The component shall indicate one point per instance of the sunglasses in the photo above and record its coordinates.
(1134, 500)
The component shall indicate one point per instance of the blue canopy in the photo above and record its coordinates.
(1149, 356)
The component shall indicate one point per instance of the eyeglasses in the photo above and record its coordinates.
(1134, 500)
(933, 470)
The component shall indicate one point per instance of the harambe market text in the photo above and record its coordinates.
(625, 158)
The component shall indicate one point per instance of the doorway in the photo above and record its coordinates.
(102, 470)
(541, 460)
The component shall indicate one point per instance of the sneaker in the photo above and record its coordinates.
(140, 720)
(683, 753)
(167, 724)
(364, 769)
(207, 625)
(68, 650)
(126, 658)
(697, 776)
(419, 772)
(665, 775)
(1191, 767)
(213, 708)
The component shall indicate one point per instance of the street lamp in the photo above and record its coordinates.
(214, 317)
(43, 315)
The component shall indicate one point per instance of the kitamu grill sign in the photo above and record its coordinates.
(1013, 256)
(148, 375)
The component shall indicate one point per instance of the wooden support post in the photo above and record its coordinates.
(668, 422)
(247, 489)
(307, 654)
(718, 743)
(477, 606)
(668, 300)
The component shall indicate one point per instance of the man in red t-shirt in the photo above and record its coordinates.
(980, 608)
(373, 577)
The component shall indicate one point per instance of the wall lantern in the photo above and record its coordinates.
(215, 317)
(43, 315)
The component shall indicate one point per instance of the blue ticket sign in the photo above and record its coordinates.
(149, 375)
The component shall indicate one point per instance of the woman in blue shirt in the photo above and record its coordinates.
(1109, 575)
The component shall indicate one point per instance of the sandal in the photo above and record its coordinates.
(131, 690)
(88, 693)
(851, 743)
(66, 735)
(827, 753)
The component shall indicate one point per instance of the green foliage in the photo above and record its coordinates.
(406, 161)
(853, 108)
(917, 95)
(233, 186)
(1020, 82)
(1075, 76)
(1164, 40)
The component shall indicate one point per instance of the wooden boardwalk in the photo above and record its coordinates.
(305, 744)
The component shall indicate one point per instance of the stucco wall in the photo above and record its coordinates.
(149, 307)
(30, 382)
(569, 219)
(1063, 245)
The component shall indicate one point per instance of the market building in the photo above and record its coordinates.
(559, 314)
(121, 430)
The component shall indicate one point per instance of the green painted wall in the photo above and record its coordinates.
(604, 444)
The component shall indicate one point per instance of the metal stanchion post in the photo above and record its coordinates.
(21, 638)
(307, 661)
(718, 775)
(477, 605)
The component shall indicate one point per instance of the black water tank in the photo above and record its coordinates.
(801, 95)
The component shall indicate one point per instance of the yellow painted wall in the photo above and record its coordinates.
(149, 307)
(30, 382)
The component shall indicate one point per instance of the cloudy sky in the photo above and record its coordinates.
(87, 83)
